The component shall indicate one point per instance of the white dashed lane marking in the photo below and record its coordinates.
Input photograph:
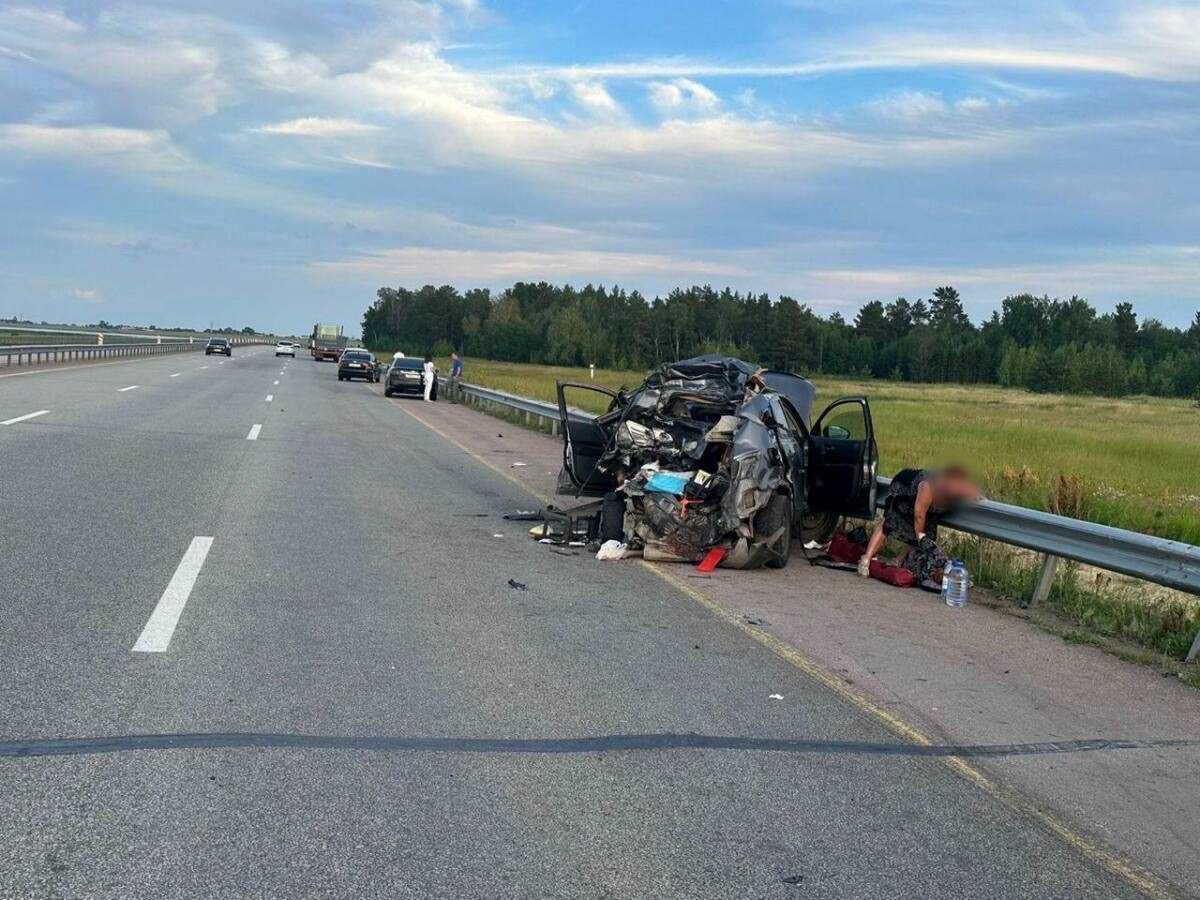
(132, 387)
(254, 430)
(270, 397)
(156, 636)
(32, 415)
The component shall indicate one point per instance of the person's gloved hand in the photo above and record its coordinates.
(864, 566)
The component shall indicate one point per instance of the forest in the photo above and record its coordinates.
(1037, 343)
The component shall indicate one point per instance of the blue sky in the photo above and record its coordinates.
(216, 162)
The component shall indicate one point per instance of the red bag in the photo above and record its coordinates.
(896, 575)
(844, 550)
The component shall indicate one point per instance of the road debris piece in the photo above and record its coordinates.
(712, 559)
(775, 697)
(517, 586)
(612, 550)
(525, 515)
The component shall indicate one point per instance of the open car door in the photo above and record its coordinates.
(584, 442)
(843, 460)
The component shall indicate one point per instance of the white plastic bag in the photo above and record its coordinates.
(612, 550)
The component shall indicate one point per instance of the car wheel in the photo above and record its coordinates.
(776, 519)
(818, 527)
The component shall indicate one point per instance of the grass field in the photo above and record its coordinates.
(1132, 463)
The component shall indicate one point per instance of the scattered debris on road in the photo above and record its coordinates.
(517, 586)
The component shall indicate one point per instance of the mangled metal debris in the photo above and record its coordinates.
(712, 452)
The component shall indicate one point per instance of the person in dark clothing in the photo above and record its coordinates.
(916, 501)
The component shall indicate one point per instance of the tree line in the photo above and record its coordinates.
(1037, 343)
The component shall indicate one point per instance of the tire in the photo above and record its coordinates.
(817, 527)
(776, 516)
(387, 392)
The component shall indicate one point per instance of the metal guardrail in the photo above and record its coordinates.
(1172, 564)
(33, 354)
(130, 334)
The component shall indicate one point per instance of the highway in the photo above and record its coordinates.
(261, 637)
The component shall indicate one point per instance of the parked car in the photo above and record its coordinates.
(355, 363)
(285, 348)
(218, 345)
(406, 375)
(713, 451)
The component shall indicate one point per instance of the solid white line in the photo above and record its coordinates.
(177, 374)
(132, 387)
(254, 430)
(270, 397)
(204, 367)
(33, 415)
(156, 636)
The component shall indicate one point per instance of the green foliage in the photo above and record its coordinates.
(1042, 345)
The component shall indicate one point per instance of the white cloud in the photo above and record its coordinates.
(454, 266)
(150, 152)
(908, 105)
(593, 96)
(973, 104)
(315, 126)
(91, 296)
(682, 94)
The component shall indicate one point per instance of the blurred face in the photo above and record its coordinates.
(956, 485)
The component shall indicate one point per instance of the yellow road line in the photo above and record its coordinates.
(1142, 880)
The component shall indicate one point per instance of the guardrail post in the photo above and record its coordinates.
(1045, 581)
(1194, 653)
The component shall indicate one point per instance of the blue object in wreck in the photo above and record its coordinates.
(668, 483)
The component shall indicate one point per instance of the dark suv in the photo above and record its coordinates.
(406, 375)
(354, 363)
(218, 345)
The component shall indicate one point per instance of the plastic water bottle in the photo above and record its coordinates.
(955, 581)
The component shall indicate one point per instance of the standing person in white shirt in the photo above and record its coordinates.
(430, 376)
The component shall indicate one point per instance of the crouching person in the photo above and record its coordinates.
(916, 501)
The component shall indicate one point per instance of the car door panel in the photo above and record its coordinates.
(843, 459)
(584, 442)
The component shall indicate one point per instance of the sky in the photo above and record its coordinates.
(217, 162)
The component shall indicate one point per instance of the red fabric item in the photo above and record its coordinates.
(892, 574)
(712, 559)
(844, 550)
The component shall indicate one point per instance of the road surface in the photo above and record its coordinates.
(274, 648)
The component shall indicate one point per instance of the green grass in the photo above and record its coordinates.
(1165, 622)
(1130, 463)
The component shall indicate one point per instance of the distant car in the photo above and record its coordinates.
(285, 348)
(355, 363)
(218, 345)
(407, 376)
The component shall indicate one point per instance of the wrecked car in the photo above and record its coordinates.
(713, 453)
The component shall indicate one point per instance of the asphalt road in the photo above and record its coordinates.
(363, 703)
